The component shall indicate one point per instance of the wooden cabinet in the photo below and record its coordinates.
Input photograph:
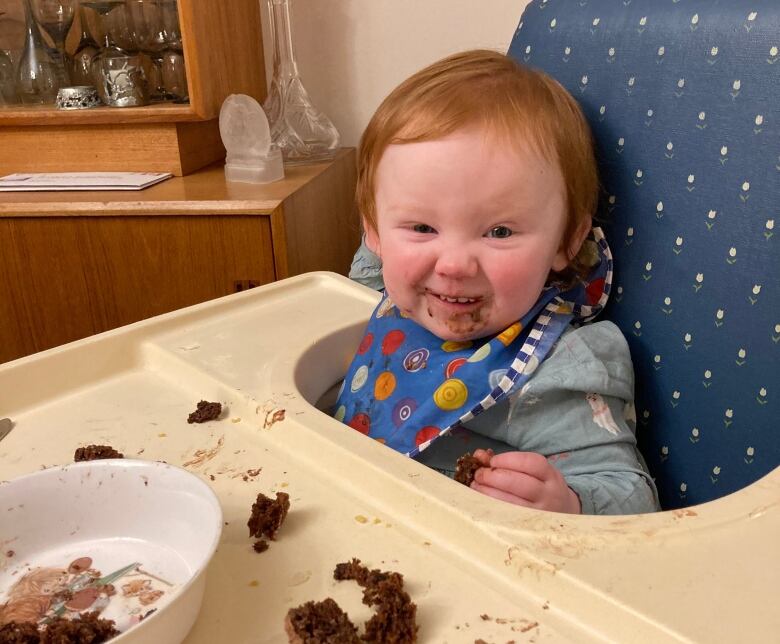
(75, 264)
(223, 52)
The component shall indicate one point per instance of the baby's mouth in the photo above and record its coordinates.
(457, 300)
(454, 298)
(463, 315)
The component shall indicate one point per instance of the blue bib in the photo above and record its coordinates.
(406, 387)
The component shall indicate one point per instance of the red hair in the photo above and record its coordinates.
(516, 105)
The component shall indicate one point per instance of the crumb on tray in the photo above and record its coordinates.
(268, 515)
(96, 452)
(320, 622)
(205, 411)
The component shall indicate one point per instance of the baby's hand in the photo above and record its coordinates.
(524, 478)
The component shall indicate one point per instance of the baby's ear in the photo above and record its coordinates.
(566, 255)
(372, 238)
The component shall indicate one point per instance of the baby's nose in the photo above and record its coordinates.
(455, 261)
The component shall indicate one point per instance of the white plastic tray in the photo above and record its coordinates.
(476, 567)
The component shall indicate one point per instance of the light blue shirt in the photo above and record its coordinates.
(577, 410)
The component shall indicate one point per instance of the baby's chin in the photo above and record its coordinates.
(464, 330)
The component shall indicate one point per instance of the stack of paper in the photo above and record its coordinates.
(82, 180)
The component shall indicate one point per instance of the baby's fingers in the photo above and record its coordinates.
(529, 463)
(516, 484)
(483, 456)
(501, 495)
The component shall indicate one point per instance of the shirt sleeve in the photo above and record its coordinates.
(366, 267)
(576, 410)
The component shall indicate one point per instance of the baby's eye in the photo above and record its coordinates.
(499, 232)
(423, 228)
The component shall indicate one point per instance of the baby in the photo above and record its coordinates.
(477, 186)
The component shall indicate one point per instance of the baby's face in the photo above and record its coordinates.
(468, 232)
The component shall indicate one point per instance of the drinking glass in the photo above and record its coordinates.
(151, 39)
(7, 82)
(112, 22)
(86, 51)
(174, 73)
(55, 17)
(37, 80)
(118, 69)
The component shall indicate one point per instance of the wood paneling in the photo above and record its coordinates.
(321, 226)
(223, 47)
(64, 278)
(178, 148)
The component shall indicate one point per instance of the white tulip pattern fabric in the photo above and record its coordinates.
(684, 100)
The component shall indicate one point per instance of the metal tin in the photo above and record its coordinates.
(80, 97)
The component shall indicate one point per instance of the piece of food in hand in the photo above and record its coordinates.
(205, 412)
(320, 623)
(95, 453)
(268, 515)
(465, 468)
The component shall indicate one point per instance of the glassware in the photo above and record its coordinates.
(112, 23)
(120, 77)
(7, 82)
(118, 69)
(150, 36)
(37, 77)
(302, 132)
(174, 72)
(56, 17)
(86, 50)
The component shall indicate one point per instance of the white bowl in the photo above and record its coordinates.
(115, 512)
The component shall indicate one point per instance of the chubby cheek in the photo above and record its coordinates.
(402, 271)
(516, 291)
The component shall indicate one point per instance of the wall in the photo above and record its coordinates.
(351, 53)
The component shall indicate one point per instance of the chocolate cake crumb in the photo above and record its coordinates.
(356, 571)
(465, 468)
(95, 453)
(320, 623)
(261, 545)
(19, 633)
(205, 411)
(88, 628)
(394, 620)
(268, 515)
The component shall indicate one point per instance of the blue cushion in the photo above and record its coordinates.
(682, 96)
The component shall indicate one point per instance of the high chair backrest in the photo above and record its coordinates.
(683, 97)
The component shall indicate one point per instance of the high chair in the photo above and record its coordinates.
(479, 568)
(682, 97)
(682, 102)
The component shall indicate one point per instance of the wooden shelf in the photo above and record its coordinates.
(73, 264)
(223, 52)
(46, 115)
